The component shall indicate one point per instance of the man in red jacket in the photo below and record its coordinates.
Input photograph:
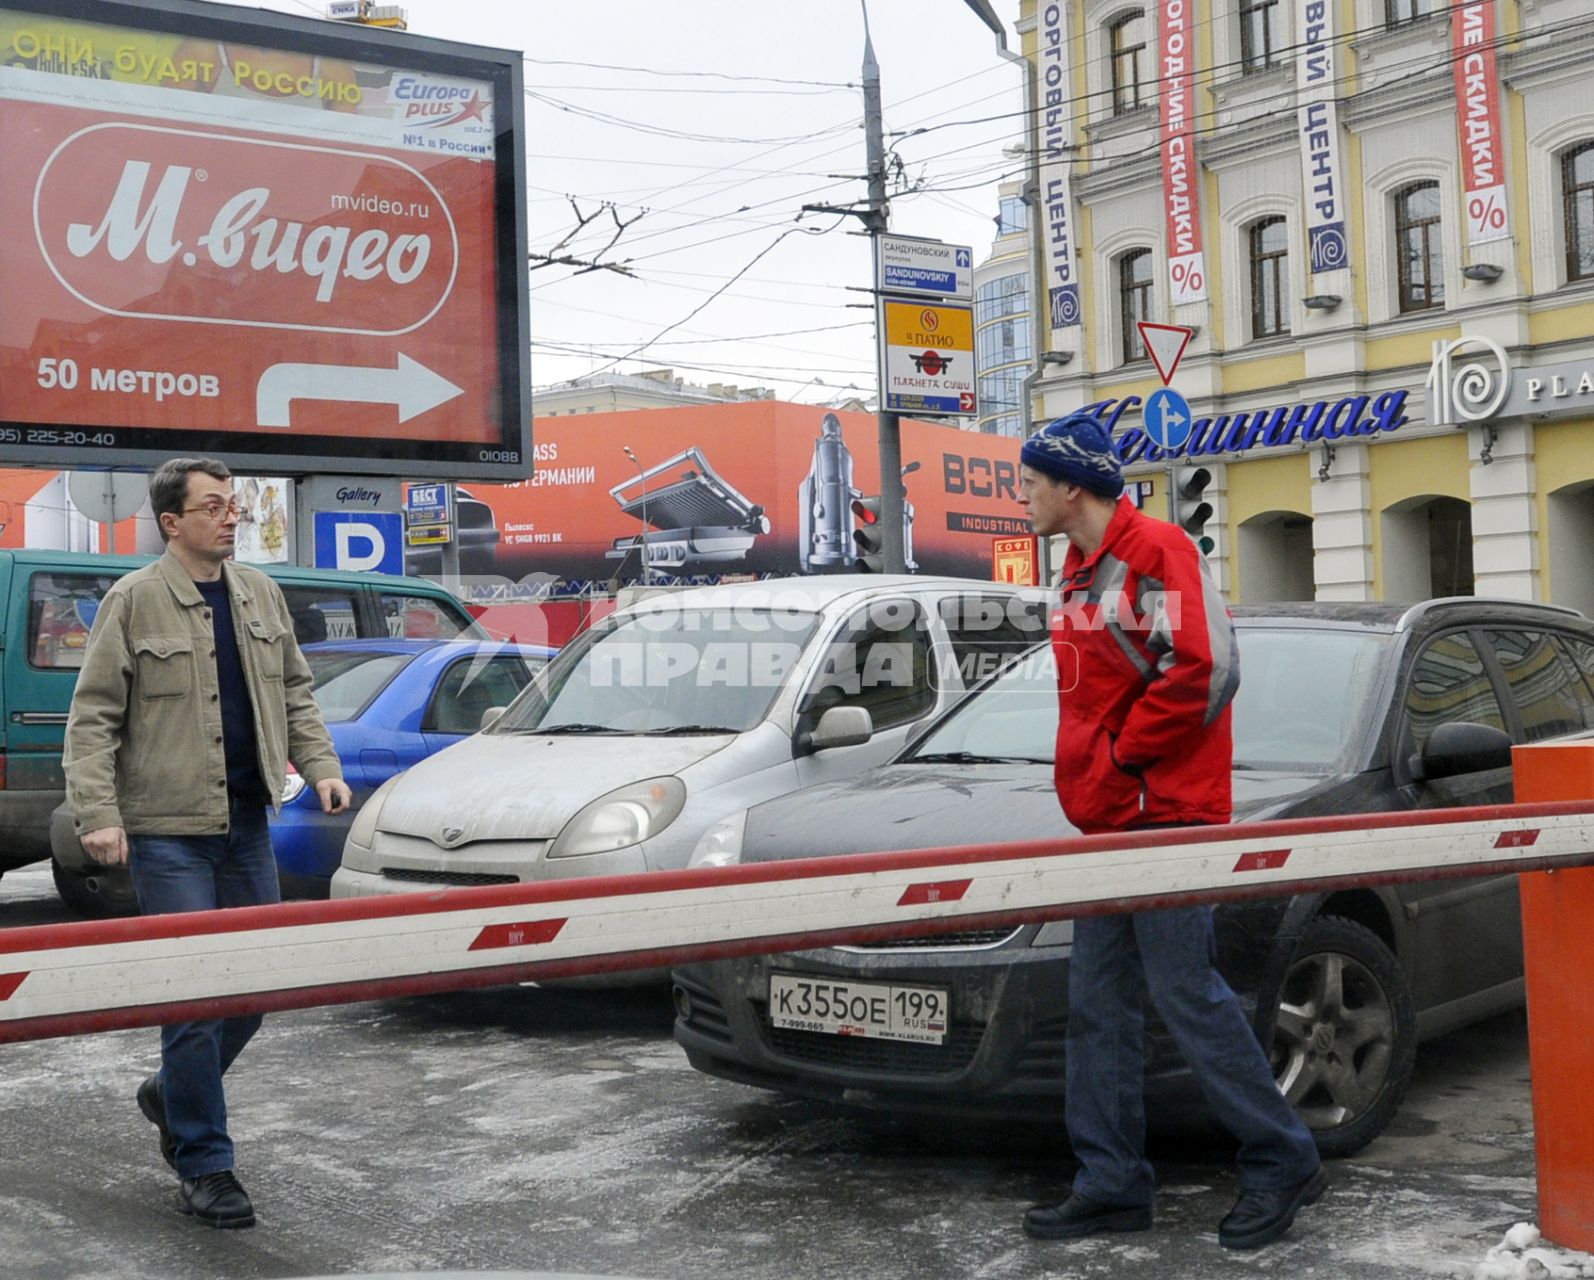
(1147, 666)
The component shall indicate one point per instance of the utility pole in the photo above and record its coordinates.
(877, 219)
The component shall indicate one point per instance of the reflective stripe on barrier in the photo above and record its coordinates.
(71, 979)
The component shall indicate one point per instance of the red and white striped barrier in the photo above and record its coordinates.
(70, 979)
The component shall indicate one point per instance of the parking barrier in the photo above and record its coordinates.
(60, 980)
(1558, 945)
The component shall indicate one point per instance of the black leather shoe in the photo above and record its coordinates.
(153, 1106)
(1261, 1217)
(1079, 1216)
(217, 1200)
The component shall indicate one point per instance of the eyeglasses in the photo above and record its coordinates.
(216, 509)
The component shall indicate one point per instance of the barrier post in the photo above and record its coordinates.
(1558, 942)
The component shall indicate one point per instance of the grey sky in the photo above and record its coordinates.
(714, 202)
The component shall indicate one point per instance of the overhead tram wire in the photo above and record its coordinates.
(790, 231)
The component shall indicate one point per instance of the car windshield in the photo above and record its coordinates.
(668, 670)
(1301, 702)
(347, 679)
(1303, 695)
(1014, 717)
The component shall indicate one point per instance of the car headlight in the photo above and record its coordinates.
(721, 845)
(622, 818)
(292, 786)
(363, 832)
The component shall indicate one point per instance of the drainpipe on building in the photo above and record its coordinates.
(1032, 191)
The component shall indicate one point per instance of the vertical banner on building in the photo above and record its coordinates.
(1478, 115)
(1057, 202)
(1181, 193)
(1318, 120)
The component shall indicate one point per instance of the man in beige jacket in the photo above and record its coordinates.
(192, 699)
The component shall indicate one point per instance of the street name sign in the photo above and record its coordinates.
(926, 268)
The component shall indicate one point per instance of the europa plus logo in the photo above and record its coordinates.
(190, 225)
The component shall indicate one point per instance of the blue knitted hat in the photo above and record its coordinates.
(1077, 449)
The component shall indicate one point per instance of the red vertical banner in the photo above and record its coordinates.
(1477, 73)
(1181, 182)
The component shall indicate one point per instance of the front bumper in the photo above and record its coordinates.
(410, 864)
(1004, 1054)
(1003, 1050)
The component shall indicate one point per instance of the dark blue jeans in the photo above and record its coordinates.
(200, 873)
(1169, 955)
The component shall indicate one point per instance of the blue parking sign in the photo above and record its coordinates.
(370, 541)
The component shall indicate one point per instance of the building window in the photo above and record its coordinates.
(1577, 184)
(1258, 33)
(1134, 300)
(1398, 11)
(1127, 42)
(1012, 216)
(1005, 341)
(1270, 278)
(1004, 296)
(1419, 248)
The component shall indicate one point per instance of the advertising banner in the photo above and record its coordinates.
(269, 238)
(1317, 117)
(1181, 173)
(1478, 117)
(929, 362)
(755, 488)
(1056, 170)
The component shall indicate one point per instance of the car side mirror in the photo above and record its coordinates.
(841, 727)
(490, 716)
(1461, 747)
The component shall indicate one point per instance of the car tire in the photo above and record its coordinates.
(99, 895)
(1343, 1038)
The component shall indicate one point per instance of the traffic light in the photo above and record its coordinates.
(1187, 508)
(869, 535)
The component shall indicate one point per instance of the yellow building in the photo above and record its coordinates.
(1378, 217)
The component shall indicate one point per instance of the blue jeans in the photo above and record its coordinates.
(1169, 955)
(201, 873)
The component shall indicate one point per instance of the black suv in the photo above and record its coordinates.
(1342, 708)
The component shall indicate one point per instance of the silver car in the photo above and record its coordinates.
(669, 716)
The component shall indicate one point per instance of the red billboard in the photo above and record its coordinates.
(296, 244)
(704, 493)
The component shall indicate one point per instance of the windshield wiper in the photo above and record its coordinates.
(573, 727)
(686, 729)
(968, 757)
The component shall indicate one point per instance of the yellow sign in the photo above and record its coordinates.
(929, 358)
(421, 535)
(1014, 560)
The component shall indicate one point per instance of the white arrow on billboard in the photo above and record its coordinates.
(412, 387)
(1165, 343)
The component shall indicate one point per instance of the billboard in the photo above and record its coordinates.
(295, 244)
(755, 488)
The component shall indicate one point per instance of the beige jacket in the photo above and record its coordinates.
(144, 742)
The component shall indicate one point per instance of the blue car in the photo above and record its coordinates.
(387, 705)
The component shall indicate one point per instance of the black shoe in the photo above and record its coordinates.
(153, 1106)
(217, 1200)
(1261, 1217)
(1078, 1216)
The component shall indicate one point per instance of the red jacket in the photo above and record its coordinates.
(1147, 666)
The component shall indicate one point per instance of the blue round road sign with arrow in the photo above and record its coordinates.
(1167, 418)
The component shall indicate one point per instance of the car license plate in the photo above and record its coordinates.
(872, 1010)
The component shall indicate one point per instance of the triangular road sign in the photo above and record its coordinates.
(1166, 344)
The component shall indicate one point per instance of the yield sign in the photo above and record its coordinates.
(1166, 344)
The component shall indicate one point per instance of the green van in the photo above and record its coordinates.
(49, 599)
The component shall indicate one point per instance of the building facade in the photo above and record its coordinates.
(1378, 217)
(1003, 344)
(651, 389)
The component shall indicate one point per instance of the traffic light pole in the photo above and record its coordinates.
(877, 219)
